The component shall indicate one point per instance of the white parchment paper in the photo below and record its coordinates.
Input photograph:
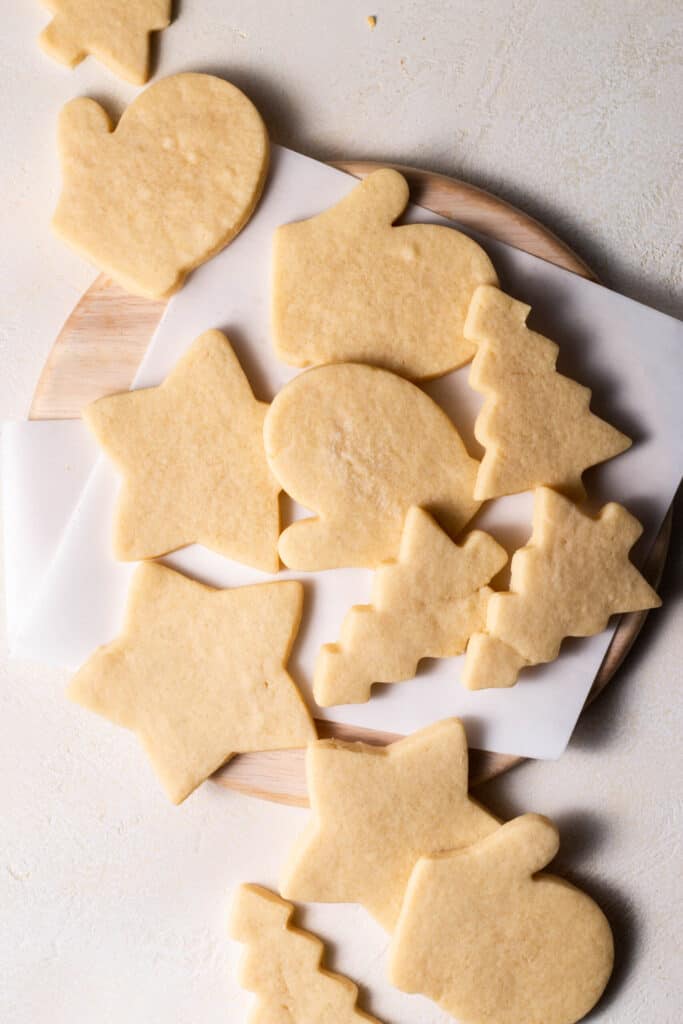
(628, 354)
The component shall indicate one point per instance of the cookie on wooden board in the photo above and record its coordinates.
(535, 424)
(349, 287)
(426, 604)
(116, 32)
(170, 186)
(495, 943)
(359, 446)
(192, 461)
(569, 579)
(376, 811)
(282, 966)
(199, 674)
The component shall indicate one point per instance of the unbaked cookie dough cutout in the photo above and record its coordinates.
(116, 32)
(282, 966)
(376, 811)
(350, 287)
(359, 446)
(170, 186)
(535, 425)
(571, 577)
(199, 674)
(192, 461)
(493, 942)
(426, 604)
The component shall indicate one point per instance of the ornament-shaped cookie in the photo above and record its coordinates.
(535, 424)
(571, 577)
(282, 965)
(359, 446)
(116, 32)
(350, 287)
(426, 604)
(191, 455)
(199, 674)
(376, 811)
(170, 186)
(494, 943)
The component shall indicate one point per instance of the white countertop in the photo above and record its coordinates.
(114, 903)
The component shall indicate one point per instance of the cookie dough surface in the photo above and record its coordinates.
(376, 811)
(359, 446)
(116, 32)
(571, 577)
(192, 460)
(535, 424)
(171, 185)
(282, 966)
(199, 674)
(426, 604)
(494, 943)
(349, 287)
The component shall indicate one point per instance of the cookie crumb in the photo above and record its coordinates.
(371, 20)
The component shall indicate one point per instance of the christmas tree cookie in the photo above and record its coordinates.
(192, 460)
(116, 32)
(493, 942)
(282, 966)
(170, 186)
(574, 573)
(199, 674)
(359, 446)
(349, 287)
(426, 604)
(376, 811)
(535, 424)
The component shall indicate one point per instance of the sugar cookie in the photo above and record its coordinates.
(199, 674)
(492, 942)
(169, 187)
(116, 32)
(349, 287)
(535, 424)
(426, 604)
(376, 811)
(282, 965)
(359, 446)
(192, 460)
(574, 573)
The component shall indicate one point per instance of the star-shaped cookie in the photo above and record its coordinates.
(199, 674)
(116, 32)
(376, 811)
(193, 463)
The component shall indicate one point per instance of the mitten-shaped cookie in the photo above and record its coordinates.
(199, 674)
(169, 187)
(359, 446)
(574, 573)
(426, 604)
(116, 32)
(349, 287)
(494, 944)
(282, 966)
(535, 424)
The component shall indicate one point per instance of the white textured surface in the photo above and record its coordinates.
(113, 904)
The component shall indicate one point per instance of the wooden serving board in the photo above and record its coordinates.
(100, 348)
